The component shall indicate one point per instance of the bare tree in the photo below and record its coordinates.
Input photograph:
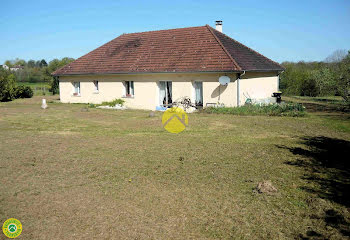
(336, 56)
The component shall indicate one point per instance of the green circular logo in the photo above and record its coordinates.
(12, 228)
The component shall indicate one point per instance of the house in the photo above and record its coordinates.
(4, 67)
(16, 68)
(156, 68)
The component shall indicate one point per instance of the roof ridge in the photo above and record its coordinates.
(169, 29)
(223, 47)
(249, 48)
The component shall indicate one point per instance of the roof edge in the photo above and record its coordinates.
(194, 72)
(125, 73)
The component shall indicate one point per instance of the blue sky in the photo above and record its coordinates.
(281, 30)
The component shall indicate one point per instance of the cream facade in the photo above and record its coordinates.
(146, 88)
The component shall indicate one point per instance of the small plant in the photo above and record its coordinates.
(91, 105)
(291, 109)
(117, 101)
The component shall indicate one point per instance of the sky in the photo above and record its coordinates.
(281, 30)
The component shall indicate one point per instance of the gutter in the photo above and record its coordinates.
(279, 71)
(239, 77)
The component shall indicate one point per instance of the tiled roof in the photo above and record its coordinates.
(245, 57)
(194, 49)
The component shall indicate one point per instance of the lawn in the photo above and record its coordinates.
(69, 173)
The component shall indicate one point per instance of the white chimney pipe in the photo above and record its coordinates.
(218, 26)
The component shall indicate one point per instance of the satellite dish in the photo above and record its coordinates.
(224, 80)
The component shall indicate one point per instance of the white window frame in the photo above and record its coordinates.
(76, 89)
(96, 86)
(129, 86)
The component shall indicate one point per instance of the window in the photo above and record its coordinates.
(96, 86)
(76, 86)
(129, 88)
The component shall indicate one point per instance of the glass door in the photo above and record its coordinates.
(198, 88)
(165, 93)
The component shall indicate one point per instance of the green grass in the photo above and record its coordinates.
(39, 88)
(69, 173)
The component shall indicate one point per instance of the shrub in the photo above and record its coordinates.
(28, 92)
(7, 85)
(91, 105)
(23, 92)
(292, 109)
(114, 102)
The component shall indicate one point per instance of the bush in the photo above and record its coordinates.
(7, 85)
(23, 92)
(114, 102)
(292, 109)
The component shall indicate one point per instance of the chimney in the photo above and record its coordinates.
(218, 25)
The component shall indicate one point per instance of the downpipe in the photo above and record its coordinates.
(239, 77)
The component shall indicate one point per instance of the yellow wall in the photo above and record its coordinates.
(257, 86)
(147, 90)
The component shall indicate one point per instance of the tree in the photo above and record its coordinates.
(343, 78)
(308, 87)
(20, 62)
(43, 63)
(53, 66)
(23, 75)
(54, 86)
(31, 63)
(37, 63)
(315, 78)
(336, 56)
(35, 75)
(325, 81)
(8, 63)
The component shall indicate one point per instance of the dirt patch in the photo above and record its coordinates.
(266, 187)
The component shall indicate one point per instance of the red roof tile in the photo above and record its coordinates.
(195, 49)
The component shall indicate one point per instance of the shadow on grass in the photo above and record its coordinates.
(331, 108)
(327, 168)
